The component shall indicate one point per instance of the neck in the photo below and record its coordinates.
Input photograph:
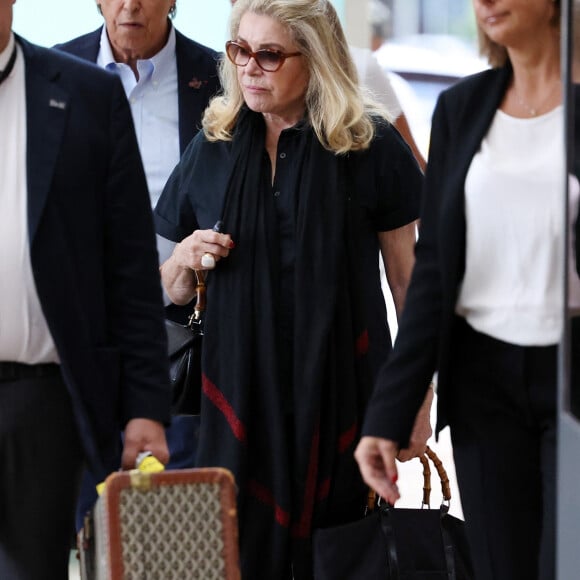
(275, 124)
(536, 87)
(536, 63)
(131, 57)
(5, 36)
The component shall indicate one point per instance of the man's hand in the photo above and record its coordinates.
(144, 435)
(376, 461)
(421, 431)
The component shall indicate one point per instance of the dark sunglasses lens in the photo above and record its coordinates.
(269, 60)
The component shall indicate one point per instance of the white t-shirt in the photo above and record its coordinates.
(514, 207)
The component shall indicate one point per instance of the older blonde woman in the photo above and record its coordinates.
(308, 181)
(485, 304)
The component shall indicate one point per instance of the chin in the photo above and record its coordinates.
(258, 105)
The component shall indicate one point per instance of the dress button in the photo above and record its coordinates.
(276, 194)
(282, 155)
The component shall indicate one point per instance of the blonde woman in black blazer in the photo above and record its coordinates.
(480, 308)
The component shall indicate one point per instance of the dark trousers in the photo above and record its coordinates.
(40, 462)
(503, 430)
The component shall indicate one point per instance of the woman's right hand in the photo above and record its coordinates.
(177, 272)
(189, 252)
(376, 460)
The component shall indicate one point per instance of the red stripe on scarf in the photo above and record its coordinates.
(346, 439)
(362, 343)
(301, 529)
(265, 496)
(218, 399)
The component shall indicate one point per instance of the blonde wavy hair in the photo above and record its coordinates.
(496, 54)
(339, 111)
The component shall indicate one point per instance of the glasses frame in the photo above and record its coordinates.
(255, 55)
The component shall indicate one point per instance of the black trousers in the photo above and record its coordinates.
(40, 463)
(503, 430)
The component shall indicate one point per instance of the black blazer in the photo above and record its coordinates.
(424, 341)
(92, 248)
(197, 77)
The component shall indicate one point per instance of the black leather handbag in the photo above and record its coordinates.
(397, 543)
(184, 342)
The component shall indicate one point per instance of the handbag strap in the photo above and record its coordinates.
(200, 298)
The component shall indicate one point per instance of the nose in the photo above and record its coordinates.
(252, 66)
(132, 5)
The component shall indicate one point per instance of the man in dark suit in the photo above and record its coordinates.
(169, 80)
(82, 342)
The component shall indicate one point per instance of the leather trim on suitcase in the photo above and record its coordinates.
(175, 524)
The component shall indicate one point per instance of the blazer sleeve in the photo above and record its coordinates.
(133, 288)
(404, 379)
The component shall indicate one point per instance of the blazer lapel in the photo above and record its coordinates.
(470, 123)
(47, 112)
(482, 111)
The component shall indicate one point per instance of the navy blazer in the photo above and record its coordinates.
(92, 248)
(197, 77)
(197, 83)
(424, 341)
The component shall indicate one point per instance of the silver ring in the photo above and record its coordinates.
(208, 261)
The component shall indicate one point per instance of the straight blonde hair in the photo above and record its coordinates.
(339, 111)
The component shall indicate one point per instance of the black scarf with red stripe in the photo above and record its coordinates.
(294, 471)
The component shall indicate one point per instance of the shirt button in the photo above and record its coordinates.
(282, 155)
(276, 194)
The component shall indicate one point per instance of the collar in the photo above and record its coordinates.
(157, 62)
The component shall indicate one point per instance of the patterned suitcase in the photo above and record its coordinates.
(174, 525)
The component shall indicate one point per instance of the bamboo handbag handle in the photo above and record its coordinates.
(441, 472)
(445, 487)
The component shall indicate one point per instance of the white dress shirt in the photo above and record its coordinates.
(154, 104)
(24, 334)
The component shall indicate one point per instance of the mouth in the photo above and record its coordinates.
(131, 25)
(254, 89)
(494, 18)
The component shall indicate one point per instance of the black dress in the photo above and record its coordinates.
(296, 325)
